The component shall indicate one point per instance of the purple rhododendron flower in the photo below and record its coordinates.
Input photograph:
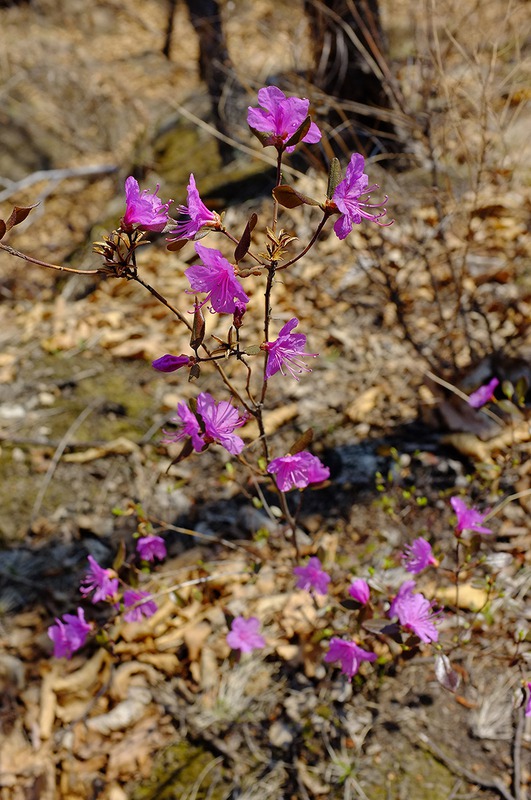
(298, 471)
(220, 420)
(199, 218)
(103, 582)
(244, 635)
(312, 576)
(347, 199)
(169, 363)
(349, 654)
(359, 590)
(418, 555)
(138, 606)
(189, 426)
(151, 547)
(287, 352)
(281, 118)
(70, 635)
(468, 519)
(414, 613)
(484, 394)
(144, 209)
(216, 277)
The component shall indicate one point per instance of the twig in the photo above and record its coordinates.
(517, 752)
(55, 175)
(61, 447)
(494, 783)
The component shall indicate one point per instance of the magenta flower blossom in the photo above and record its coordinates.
(312, 576)
(468, 519)
(169, 363)
(103, 582)
(144, 209)
(528, 704)
(70, 635)
(297, 471)
(281, 118)
(189, 426)
(199, 218)
(216, 277)
(287, 352)
(137, 605)
(347, 199)
(349, 654)
(414, 613)
(151, 547)
(418, 555)
(244, 635)
(359, 590)
(484, 394)
(220, 420)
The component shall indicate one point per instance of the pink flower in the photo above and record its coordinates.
(216, 277)
(312, 576)
(103, 582)
(189, 427)
(468, 519)
(414, 613)
(483, 395)
(144, 209)
(70, 635)
(138, 606)
(287, 352)
(349, 654)
(281, 118)
(200, 218)
(169, 363)
(298, 471)
(528, 704)
(244, 635)
(347, 198)
(359, 590)
(418, 555)
(220, 421)
(151, 547)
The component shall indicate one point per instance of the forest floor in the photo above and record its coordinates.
(403, 318)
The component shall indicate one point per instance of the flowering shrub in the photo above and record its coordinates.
(228, 286)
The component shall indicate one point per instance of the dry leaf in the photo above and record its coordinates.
(358, 410)
(118, 447)
(124, 714)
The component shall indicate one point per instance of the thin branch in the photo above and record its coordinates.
(55, 175)
(61, 447)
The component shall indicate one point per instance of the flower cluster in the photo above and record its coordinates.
(280, 118)
(468, 519)
(297, 471)
(212, 422)
(144, 209)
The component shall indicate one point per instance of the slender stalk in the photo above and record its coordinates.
(57, 267)
(310, 243)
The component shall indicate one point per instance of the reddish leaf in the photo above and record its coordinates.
(300, 133)
(3, 229)
(245, 242)
(288, 197)
(18, 215)
(302, 442)
(445, 674)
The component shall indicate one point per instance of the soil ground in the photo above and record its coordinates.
(401, 318)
